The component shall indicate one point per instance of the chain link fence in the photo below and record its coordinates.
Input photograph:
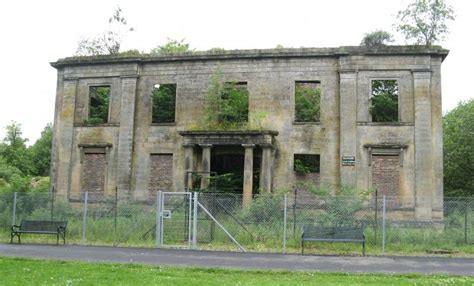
(220, 221)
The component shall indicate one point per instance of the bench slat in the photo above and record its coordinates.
(333, 234)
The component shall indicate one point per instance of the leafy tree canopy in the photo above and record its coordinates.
(458, 125)
(41, 152)
(163, 103)
(108, 42)
(172, 47)
(376, 39)
(384, 101)
(14, 150)
(227, 104)
(307, 101)
(424, 22)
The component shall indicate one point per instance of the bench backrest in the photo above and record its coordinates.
(333, 232)
(40, 225)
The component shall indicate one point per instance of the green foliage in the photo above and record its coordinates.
(376, 39)
(384, 101)
(306, 164)
(227, 104)
(163, 103)
(458, 126)
(18, 163)
(425, 21)
(14, 150)
(172, 47)
(307, 102)
(108, 42)
(229, 182)
(99, 105)
(217, 50)
(40, 185)
(41, 152)
(265, 208)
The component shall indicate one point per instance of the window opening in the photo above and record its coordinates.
(99, 98)
(384, 101)
(307, 101)
(164, 103)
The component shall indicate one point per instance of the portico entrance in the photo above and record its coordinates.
(225, 149)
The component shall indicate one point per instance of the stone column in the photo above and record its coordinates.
(64, 139)
(188, 165)
(248, 175)
(266, 169)
(206, 165)
(125, 141)
(348, 135)
(423, 145)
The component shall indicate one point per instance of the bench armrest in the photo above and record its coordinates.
(15, 227)
(61, 229)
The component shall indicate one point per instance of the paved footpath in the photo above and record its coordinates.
(292, 262)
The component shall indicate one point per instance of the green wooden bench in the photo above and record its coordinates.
(333, 234)
(57, 228)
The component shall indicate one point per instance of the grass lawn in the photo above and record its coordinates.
(19, 271)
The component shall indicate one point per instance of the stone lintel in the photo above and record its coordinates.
(248, 145)
(386, 146)
(94, 145)
(257, 138)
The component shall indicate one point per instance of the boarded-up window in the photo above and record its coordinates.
(386, 174)
(161, 172)
(93, 171)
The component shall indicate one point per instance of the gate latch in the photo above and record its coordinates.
(166, 214)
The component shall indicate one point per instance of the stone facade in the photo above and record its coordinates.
(129, 141)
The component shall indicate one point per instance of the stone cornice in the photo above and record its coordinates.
(253, 54)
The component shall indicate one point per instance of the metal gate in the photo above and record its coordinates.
(173, 219)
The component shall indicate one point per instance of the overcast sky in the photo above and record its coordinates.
(34, 33)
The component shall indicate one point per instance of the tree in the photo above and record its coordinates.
(227, 104)
(307, 102)
(384, 101)
(108, 42)
(172, 47)
(458, 125)
(41, 152)
(376, 39)
(163, 103)
(425, 21)
(14, 150)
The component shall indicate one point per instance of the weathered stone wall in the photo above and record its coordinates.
(345, 127)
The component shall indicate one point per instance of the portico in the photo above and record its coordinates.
(199, 144)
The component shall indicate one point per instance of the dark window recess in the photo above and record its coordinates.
(384, 101)
(235, 102)
(306, 164)
(99, 98)
(164, 103)
(307, 101)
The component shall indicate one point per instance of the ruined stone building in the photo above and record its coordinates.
(366, 118)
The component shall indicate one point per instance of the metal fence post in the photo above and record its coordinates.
(158, 219)
(84, 218)
(284, 222)
(52, 204)
(384, 217)
(465, 221)
(195, 215)
(14, 209)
